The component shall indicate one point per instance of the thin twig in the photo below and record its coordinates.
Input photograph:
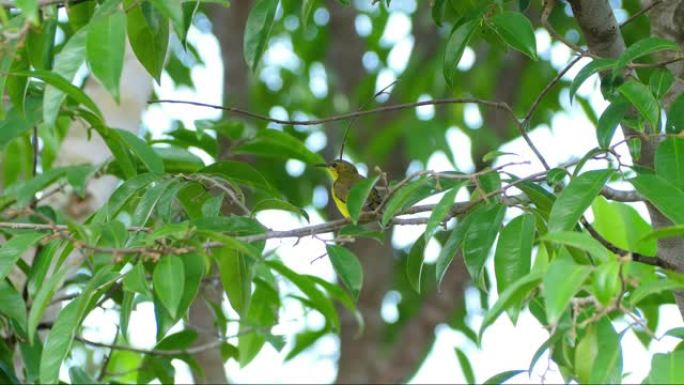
(641, 12)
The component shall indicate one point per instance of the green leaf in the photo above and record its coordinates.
(664, 195)
(173, 10)
(664, 232)
(669, 161)
(402, 198)
(29, 8)
(41, 300)
(478, 239)
(457, 43)
(641, 97)
(58, 342)
(414, 264)
(135, 281)
(65, 86)
(580, 241)
(12, 250)
(169, 279)
(675, 117)
(622, 225)
(195, 266)
(669, 283)
(513, 294)
(67, 62)
(610, 119)
(316, 299)
(563, 279)
(143, 151)
(439, 213)
(303, 341)
(347, 267)
(241, 173)
(236, 272)
(641, 48)
(466, 368)
(503, 377)
(274, 143)
(451, 247)
(148, 34)
(514, 251)
(121, 195)
(262, 314)
(666, 368)
(576, 198)
(357, 197)
(516, 31)
(606, 282)
(597, 65)
(660, 82)
(105, 48)
(258, 30)
(147, 203)
(598, 357)
(13, 305)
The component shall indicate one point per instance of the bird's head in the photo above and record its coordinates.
(339, 168)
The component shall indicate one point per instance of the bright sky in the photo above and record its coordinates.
(505, 346)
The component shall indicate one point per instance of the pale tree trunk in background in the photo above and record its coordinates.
(602, 33)
(136, 87)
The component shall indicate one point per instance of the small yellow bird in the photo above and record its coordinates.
(344, 176)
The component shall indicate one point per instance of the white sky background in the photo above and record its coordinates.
(504, 346)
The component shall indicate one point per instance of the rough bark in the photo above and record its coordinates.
(603, 36)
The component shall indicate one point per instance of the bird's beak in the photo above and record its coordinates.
(324, 165)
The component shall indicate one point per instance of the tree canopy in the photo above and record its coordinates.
(591, 245)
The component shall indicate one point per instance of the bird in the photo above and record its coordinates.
(344, 176)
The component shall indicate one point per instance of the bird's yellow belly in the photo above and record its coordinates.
(341, 206)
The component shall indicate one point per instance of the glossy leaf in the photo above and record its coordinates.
(576, 198)
(478, 239)
(666, 368)
(402, 198)
(241, 173)
(258, 30)
(641, 97)
(457, 43)
(562, 281)
(597, 65)
(67, 62)
(169, 280)
(105, 46)
(514, 251)
(675, 116)
(609, 120)
(347, 267)
(236, 273)
(516, 31)
(143, 151)
(357, 197)
(598, 357)
(513, 294)
(12, 250)
(466, 368)
(148, 34)
(664, 195)
(580, 241)
(606, 282)
(451, 247)
(414, 264)
(439, 213)
(58, 343)
(13, 305)
(641, 48)
(622, 225)
(660, 81)
(669, 161)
